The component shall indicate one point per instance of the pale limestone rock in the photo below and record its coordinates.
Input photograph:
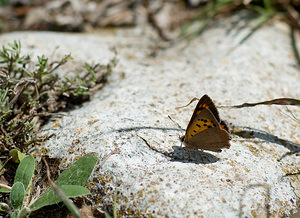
(141, 94)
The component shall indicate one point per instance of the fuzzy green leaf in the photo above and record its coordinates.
(25, 171)
(50, 197)
(17, 195)
(79, 172)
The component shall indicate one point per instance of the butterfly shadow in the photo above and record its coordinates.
(180, 154)
(137, 128)
(248, 132)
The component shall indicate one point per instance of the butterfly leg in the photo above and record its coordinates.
(181, 151)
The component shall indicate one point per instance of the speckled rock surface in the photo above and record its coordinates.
(144, 90)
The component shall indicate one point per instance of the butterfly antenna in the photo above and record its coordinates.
(194, 99)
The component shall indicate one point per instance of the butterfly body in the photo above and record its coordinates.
(206, 130)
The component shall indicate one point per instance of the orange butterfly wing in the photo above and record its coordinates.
(206, 117)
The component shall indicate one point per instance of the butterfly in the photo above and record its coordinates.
(206, 130)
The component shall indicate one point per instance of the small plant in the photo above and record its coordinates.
(69, 184)
(31, 92)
